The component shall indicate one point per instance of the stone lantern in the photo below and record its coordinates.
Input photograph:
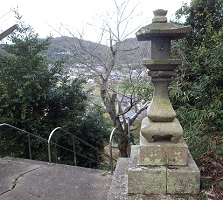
(161, 122)
(163, 164)
(160, 167)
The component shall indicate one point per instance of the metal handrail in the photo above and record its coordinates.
(49, 149)
(74, 151)
(110, 146)
(29, 141)
(56, 145)
(28, 134)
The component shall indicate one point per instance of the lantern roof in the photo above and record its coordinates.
(161, 28)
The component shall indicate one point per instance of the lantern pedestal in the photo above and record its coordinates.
(159, 179)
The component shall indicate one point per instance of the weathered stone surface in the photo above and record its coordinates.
(173, 31)
(161, 71)
(118, 189)
(161, 74)
(160, 16)
(184, 180)
(177, 179)
(160, 47)
(163, 153)
(162, 197)
(161, 109)
(147, 180)
(22, 179)
(150, 129)
(161, 64)
(119, 185)
(159, 19)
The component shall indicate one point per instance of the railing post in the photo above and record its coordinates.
(74, 150)
(128, 127)
(55, 147)
(49, 152)
(30, 151)
(129, 135)
(111, 158)
(110, 149)
(48, 142)
(98, 161)
(129, 148)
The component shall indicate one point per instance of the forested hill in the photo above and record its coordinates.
(64, 45)
(131, 49)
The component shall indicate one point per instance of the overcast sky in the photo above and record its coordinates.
(46, 16)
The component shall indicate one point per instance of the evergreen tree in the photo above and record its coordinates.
(37, 97)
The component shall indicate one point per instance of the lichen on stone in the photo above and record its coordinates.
(161, 110)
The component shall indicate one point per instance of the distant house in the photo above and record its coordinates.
(90, 81)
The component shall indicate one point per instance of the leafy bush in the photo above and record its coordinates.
(197, 92)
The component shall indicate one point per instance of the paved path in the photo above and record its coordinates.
(22, 179)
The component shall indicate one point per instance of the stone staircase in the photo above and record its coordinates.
(22, 179)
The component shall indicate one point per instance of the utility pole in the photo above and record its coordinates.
(8, 31)
(5, 34)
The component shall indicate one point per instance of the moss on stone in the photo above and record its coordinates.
(161, 110)
(161, 62)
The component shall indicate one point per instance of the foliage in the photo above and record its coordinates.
(93, 129)
(211, 166)
(197, 91)
(35, 96)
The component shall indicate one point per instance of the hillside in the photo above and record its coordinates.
(132, 51)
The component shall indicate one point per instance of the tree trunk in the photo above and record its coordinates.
(123, 147)
(122, 141)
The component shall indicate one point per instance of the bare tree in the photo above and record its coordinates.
(101, 63)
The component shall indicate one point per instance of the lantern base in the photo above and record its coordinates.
(161, 131)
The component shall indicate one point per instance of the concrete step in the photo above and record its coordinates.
(22, 179)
